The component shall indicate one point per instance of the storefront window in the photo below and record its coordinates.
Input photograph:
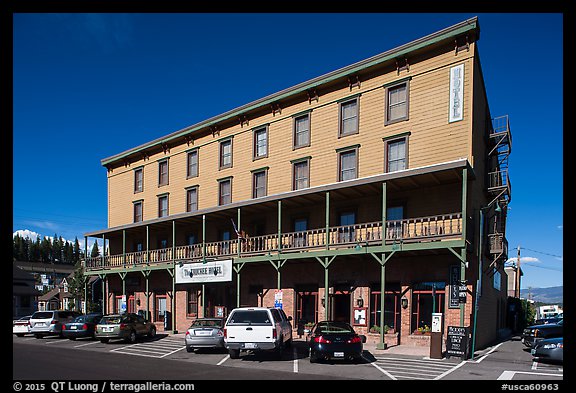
(391, 305)
(427, 298)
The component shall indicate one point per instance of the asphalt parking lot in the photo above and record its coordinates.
(508, 360)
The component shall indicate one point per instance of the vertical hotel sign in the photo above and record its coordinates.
(456, 93)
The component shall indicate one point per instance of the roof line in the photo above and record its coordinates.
(459, 28)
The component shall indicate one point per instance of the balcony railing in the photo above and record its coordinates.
(419, 229)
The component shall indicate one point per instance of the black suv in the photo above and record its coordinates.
(535, 333)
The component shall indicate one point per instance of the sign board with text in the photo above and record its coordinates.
(457, 341)
(454, 293)
(215, 271)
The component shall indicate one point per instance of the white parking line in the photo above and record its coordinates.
(170, 353)
(90, 343)
(534, 365)
(507, 375)
(379, 368)
(449, 371)
(223, 360)
(295, 361)
(53, 341)
(489, 352)
(121, 348)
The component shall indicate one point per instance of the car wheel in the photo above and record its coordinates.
(72, 338)
(19, 334)
(38, 335)
(313, 357)
(288, 343)
(132, 337)
(189, 349)
(234, 353)
(104, 340)
(152, 332)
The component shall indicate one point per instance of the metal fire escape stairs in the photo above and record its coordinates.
(499, 188)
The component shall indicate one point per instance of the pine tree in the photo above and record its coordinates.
(23, 250)
(16, 248)
(69, 253)
(95, 252)
(46, 250)
(76, 284)
(35, 250)
(76, 251)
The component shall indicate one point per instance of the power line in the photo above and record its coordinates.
(543, 267)
(540, 252)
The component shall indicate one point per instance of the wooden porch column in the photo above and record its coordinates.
(463, 252)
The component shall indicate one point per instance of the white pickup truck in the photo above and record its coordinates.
(256, 329)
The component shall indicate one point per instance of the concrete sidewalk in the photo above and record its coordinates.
(370, 347)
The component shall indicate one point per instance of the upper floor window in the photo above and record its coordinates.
(226, 154)
(163, 172)
(260, 146)
(348, 117)
(225, 191)
(302, 131)
(192, 199)
(396, 151)
(259, 180)
(138, 211)
(397, 103)
(301, 174)
(348, 164)
(192, 164)
(163, 206)
(138, 180)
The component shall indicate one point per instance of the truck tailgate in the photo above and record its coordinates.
(247, 333)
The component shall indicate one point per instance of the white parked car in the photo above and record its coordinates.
(256, 329)
(49, 323)
(21, 326)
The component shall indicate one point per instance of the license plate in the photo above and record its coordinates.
(338, 354)
(40, 324)
(202, 332)
(73, 327)
(533, 351)
(107, 329)
(250, 345)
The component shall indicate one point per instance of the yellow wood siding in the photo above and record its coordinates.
(432, 140)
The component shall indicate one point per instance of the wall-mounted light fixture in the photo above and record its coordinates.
(137, 302)
(360, 301)
(324, 302)
(404, 302)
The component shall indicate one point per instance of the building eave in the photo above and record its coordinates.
(444, 166)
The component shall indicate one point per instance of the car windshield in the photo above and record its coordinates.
(207, 323)
(110, 320)
(333, 327)
(42, 315)
(80, 319)
(250, 317)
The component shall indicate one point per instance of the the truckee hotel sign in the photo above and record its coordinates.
(456, 93)
(216, 271)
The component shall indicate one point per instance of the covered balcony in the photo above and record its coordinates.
(371, 228)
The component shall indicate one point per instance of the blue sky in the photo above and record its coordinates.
(88, 86)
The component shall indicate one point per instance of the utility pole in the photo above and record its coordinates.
(518, 274)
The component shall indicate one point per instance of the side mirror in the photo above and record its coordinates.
(363, 337)
(289, 318)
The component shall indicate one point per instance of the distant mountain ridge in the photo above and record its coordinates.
(551, 295)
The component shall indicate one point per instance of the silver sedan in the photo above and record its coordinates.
(205, 333)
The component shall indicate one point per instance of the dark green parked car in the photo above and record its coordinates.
(128, 327)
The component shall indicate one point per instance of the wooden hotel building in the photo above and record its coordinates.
(374, 194)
